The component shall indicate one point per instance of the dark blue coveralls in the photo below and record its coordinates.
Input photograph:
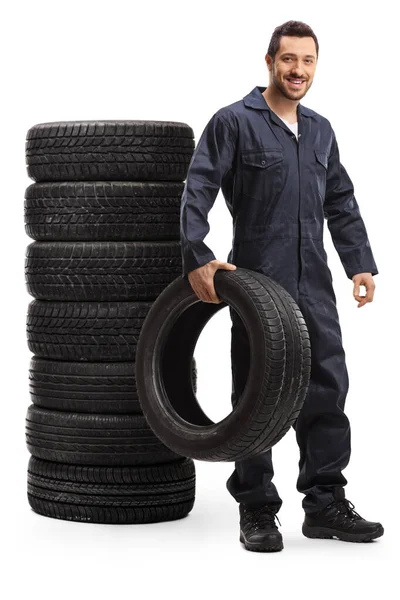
(278, 191)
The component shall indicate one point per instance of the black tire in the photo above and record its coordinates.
(101, 270)
(107, 388)
(109, 150)
(85, 331)
(277, 381)
(76, 438)
(103, 211)
(117, 495)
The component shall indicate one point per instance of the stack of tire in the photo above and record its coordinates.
(104, 211)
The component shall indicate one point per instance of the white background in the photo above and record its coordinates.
(182, 61)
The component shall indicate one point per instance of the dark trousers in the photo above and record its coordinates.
(322, 428)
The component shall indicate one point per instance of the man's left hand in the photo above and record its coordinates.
(367, 280)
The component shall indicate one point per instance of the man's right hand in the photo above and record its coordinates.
(202, 280)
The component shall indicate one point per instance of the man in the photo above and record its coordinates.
(277, 163)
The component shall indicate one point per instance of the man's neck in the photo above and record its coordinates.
(285, 109)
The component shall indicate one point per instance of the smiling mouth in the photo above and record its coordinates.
(295, 82)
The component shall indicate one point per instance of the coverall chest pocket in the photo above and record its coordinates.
(262, 172)
(321, 168)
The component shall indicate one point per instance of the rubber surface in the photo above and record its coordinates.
(101, 270)
(103, 211)
(330, 533)
(88, 387)
(109, 150)
(276, 384)
(85, 331)
(259, 547)
(93, 439)
(117, 495)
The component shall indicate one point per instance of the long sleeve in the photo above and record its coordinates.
(344, 220)
(211, 161)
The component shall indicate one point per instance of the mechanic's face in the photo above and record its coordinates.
(295, 60)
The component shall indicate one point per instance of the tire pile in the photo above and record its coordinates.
(104, 214)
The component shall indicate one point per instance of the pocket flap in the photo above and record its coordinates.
(322, 157)
(262, 158)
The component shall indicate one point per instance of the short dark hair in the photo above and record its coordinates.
(294, 28)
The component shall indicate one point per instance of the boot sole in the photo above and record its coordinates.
(328, 533)
(260, 547)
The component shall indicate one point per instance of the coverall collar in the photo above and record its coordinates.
(256, 100)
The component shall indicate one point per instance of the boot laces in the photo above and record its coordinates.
(346, 508)
(263, 516)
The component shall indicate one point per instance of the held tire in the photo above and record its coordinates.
(277, 380)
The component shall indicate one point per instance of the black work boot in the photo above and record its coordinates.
(258, 531)
(339, 520)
